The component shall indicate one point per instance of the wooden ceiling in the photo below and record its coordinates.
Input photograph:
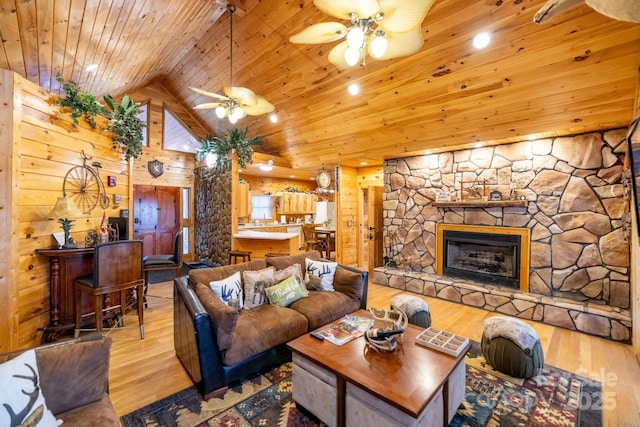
(578, 73)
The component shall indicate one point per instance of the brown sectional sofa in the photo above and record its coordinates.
(74, 379)
(219, 345)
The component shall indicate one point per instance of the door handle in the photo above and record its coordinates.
(370, 236)
(371, 228)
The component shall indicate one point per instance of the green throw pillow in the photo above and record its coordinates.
(285, 292)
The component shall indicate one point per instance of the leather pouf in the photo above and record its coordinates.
(509, 358)
(416, 309)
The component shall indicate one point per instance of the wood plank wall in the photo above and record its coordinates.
(347, 216)
(43, 147)
(38, 145)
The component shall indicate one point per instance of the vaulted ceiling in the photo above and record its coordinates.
(579, 72)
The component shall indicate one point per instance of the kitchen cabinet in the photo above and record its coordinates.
(295, 203)
(242, 200)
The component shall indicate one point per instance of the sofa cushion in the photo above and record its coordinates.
(321, 307)
(285, 292)
(324, 270)
(229, 290)
(261, 329)
(254, 284)
(348, 282)
(19, 378)
(85, 363)
(98, 413)
(206, 275)
(223, 317)
(295, 270)
(282, 262)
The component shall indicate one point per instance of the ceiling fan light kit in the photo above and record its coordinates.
(237, 102)
(383, 29)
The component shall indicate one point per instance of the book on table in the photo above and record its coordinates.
(347, 329)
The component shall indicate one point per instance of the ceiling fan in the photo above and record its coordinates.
(384, 29)
(237, 101)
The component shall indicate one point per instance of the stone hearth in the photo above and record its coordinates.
(601, 320)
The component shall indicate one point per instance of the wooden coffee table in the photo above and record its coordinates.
(411, 379)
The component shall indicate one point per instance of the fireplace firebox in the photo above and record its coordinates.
(485, 257)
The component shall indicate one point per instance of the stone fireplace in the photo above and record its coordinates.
(571, 196)
(494, 255)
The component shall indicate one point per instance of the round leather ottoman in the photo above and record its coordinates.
(416, 309)
(512, 347)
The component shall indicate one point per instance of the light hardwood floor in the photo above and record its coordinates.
(143, 371)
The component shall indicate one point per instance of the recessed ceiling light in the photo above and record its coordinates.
(427, 152)
(292, 176)
(478, 144)
(267, 168)
(354, 89)
(274, 118)
(92, 67)
(481, 40)
(363, 163)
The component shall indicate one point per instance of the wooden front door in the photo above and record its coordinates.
(156, 217)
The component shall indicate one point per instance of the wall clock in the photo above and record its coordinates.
(323, 178)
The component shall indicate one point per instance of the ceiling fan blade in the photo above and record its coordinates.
(341, 9)
(336, 56)
(205, 93)
(402, 44)
(242, 94)
(207, 106)
(323, 32)
(262, 107)
(403, 15)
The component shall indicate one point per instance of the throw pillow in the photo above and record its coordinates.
(324, 270)
(255, 283)
(20, 381)
(348, 282)
(285, 292)
(292, 270)
(229, 290)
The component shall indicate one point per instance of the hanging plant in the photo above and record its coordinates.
(221, 146)
(125, 125)
(79, 103)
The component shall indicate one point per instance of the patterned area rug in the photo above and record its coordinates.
(553, 398)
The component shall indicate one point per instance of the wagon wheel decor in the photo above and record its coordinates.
(84, 186)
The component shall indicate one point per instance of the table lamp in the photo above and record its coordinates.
(64, 210)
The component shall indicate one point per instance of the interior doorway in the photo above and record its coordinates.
(156, 217)
(371, 254)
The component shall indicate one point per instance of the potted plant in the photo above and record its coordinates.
(79, 103)
(125, 125)
(221, 146)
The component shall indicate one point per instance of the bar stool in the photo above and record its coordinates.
(245, 255)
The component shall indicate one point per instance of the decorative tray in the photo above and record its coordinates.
(443, 341)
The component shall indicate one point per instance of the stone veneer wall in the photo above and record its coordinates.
(212, 189)
(577, 212)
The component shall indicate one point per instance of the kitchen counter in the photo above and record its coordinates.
(267, 235)
(263, 242)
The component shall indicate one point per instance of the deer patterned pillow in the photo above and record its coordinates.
(21, 399)
(323, 270)
(229, 290)
(255, 283)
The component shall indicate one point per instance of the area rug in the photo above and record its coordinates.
(553, 398)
